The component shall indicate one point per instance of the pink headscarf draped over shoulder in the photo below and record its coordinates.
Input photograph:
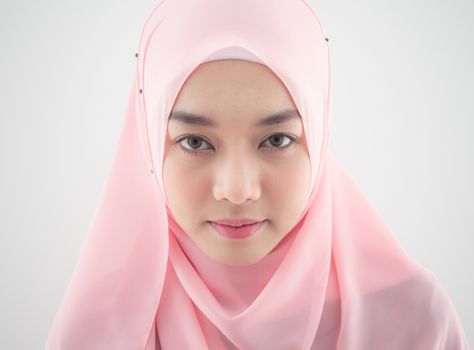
(338, 280)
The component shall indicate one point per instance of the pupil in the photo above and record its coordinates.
(277, 138)
(194, 143)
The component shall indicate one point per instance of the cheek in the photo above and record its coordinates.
(186, 188)
(289, 185)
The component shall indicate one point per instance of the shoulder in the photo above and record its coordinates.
(419, 312)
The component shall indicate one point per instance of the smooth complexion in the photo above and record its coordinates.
(235, 169)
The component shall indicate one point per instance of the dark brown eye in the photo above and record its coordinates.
(191, 144)
(277, 142)
(194, 142)
(277, 138)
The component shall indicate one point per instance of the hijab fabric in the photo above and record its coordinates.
(338, 280)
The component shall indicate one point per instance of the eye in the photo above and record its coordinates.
(278, 139)
(195, 142)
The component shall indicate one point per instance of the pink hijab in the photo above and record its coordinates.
(338, 280)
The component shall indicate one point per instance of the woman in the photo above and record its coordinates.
(228, 119)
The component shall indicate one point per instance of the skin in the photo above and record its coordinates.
(240, 170)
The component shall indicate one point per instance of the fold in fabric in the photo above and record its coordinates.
(339, 279)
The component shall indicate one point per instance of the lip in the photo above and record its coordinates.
(239, 232)
(236, 222)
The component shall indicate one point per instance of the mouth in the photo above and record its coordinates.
(236, 232)
(236, 222)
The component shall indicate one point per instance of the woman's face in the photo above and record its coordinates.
(239, 170)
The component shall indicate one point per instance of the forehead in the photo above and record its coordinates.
(232, 68)
(233, 86)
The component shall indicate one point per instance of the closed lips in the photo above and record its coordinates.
(236, 222)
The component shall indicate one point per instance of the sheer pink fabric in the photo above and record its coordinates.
(338, 280)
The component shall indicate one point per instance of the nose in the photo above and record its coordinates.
(237, 181)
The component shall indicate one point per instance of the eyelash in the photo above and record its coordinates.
(272, 149)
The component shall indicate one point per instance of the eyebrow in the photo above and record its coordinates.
(272, 119)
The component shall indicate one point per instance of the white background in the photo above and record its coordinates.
(402, 126)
